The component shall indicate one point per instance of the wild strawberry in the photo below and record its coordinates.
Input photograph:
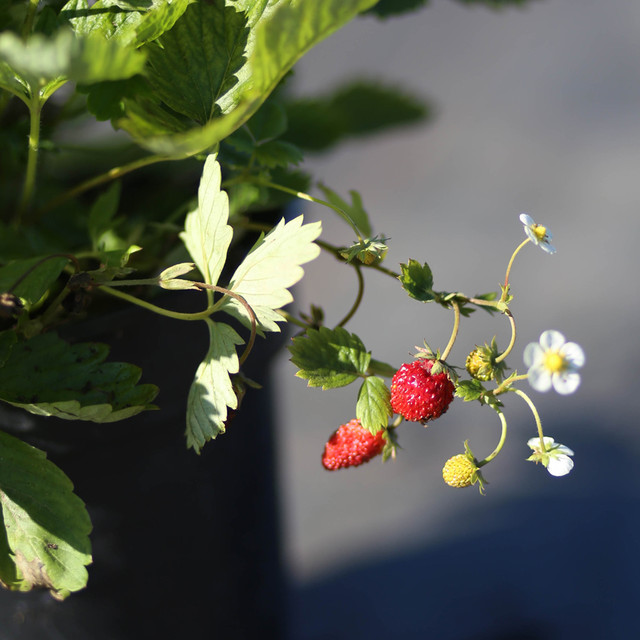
(458, 471)
(351, 445)
(419, 396)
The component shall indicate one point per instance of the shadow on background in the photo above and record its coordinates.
(557, 566)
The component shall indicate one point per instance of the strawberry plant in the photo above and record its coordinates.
(199, 93)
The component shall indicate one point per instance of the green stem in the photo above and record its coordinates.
(507, 351)
(112, 174)
(305, 196)
(176, 315)
(35, 108)
(505, 386)
(292, 319)
(536, 416)
(358, 299)
(454, 333)
(133, 283)
(503, 437)
(506, 277)
(27, 25)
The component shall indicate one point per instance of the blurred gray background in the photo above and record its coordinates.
(538, 111)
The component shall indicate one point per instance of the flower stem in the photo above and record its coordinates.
(536, 416)
(505, 386)
(358, 299)
(507, 351)
(35, 108)
(506, 277)
(454, 332)
(503, 437)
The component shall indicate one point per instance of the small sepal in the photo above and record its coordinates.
(370, 251)
(439, 366)
(391, 444)
(481, 363)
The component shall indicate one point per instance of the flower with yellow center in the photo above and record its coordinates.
(537, 233)
(553, 362)
(554, 456)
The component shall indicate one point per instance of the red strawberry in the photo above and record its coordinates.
(417, 395)
(351, 445)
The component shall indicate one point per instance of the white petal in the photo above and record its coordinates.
(560, 465)
(563, 449)
(532, 236)
(574, 354)
(533, 354)
(534, 443)
(549, 248)
(565, 383)
(540, 379)
(526, 219)
(551, 340)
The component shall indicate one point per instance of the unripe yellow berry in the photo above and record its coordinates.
(459, 471)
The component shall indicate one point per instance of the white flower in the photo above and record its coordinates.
(555, 457)
(538, 234)
(554, 362)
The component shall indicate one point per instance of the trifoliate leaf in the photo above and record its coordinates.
(44, 542)
(329, 358)
(207, 235)
(47, 376)
(212, 391)
(353, 213)
(417, 281)
(40, 275)
(273, 265)
(373, 408)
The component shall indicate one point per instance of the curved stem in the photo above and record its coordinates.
(513, 257)
(507, 351)
(503, 437)
(454, 333)
(176, 315)
(536, 416)
(305, 196)
(358, 299)
(248, 309)
(103, 178)
(505, 386)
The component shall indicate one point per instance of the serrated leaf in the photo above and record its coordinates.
(46, 527)
(212, 392)
(329, 358)
(373, 408)
(41, 275)
(279, 34)
(207, 235)
(470, 390)
(273, 265)
(355, 211)
(417, 280)
(47, 376)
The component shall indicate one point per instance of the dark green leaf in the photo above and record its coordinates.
(417, 280)
(44, 542)
(329, 358)
(47, 376)
(385, 8)
(101, 216)
(42, 273)
(373, 408)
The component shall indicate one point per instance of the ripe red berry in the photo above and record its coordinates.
(351, 445)
(417, 395)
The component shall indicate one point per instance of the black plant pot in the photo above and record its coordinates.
(184, 546)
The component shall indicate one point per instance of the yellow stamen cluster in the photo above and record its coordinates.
(540, 232)
(554, 362)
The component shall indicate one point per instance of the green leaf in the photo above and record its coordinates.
(272, 266)
(357, 109)
(417, 280)
(355, 213)
(45, 539)
(385, 8)
(42, 273)
(470, 390)
(279, 34)
(101, 214)
(212, 391)
(47, 376)
(496, 4)
(373, 408)
(135, 23)
(207, 235)
(40, 60)
(329, 358)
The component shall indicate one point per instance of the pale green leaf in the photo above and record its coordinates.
(212, 392)
(46, 527)
(273, 265)
(329, 358)
(207, 235)
(373, 408)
